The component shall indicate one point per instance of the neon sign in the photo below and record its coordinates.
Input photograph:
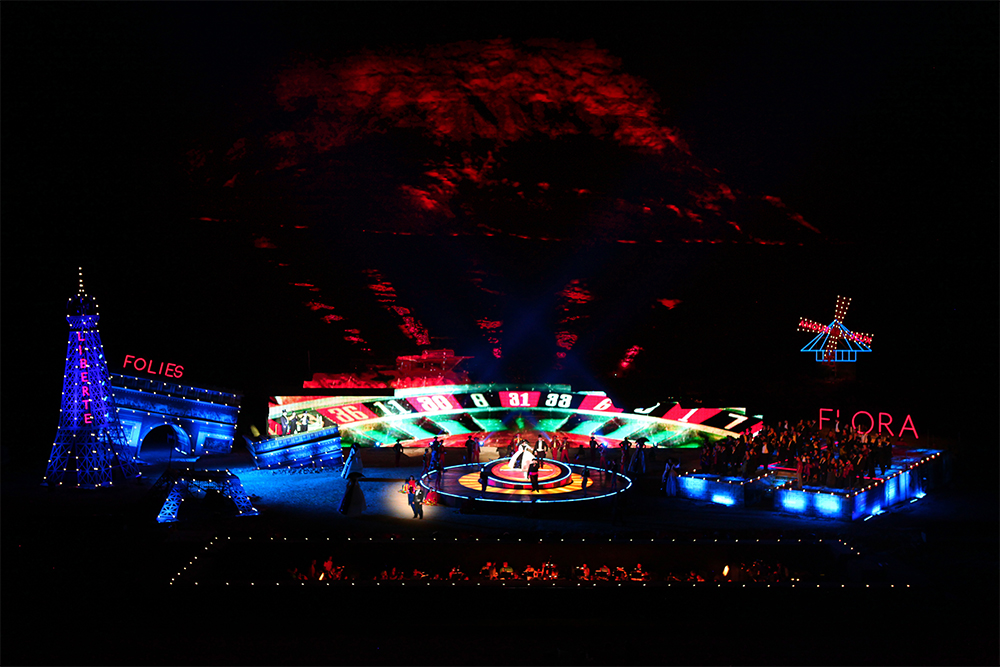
(859, 417)
(84, 381)
(416, 414)
(171, 371)
(829, 336)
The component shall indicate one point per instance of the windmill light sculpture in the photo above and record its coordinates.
(834, 342)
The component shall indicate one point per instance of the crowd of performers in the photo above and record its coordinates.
(433, 459)
(838, 458)
(325, 572)
(525, 458)
(597, 459)
(634, 454)
(290, 424)
(841, 457)
(755, 571)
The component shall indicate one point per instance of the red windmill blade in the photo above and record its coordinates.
(863, 338)
(814, 327)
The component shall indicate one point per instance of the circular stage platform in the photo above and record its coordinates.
(558, 482)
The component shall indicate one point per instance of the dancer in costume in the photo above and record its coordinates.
(353, 464)
(522, 459)
(516, 458)
(670, 483)
(353, 503)
(540, 447)
(533, 474)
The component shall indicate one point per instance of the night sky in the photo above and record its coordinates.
(876, 122)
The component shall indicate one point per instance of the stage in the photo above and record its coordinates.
(912, 472)
(558, 482)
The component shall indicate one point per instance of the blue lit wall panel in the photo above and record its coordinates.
(791, 501)
(901, 486)
(864, 502)
(302, 449)
(301, 455)
(692, 487)
(725, 498)
(716, 489)
(809, 503)
(830, 505)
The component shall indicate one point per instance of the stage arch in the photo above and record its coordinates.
(162, 442)
(202, 420)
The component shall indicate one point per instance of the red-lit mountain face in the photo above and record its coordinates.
(542, 139)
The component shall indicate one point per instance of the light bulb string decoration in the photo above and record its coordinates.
(89, 432)
(825, 345)
(202, 568)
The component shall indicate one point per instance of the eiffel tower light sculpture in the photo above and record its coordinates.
(90, 441)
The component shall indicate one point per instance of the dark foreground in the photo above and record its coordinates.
(508, 626)
(88, 581)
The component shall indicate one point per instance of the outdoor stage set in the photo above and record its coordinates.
(319, 426)
(911, 474)
(557, 481)
(494, 414)
(106, 418)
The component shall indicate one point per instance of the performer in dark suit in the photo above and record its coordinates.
(418, 503)
(398, 450)
(533, 474)
(540, 447)
(484, 477)
(411, 496)
(438, 471)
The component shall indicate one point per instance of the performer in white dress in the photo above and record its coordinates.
(353, 464)
(521, 459)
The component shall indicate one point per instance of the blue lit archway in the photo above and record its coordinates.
(203, 421)
(163, 441)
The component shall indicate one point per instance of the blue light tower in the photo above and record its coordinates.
(90, 441)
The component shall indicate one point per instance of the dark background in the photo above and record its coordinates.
(877, 122)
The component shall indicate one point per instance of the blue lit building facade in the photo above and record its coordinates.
(203, 421)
